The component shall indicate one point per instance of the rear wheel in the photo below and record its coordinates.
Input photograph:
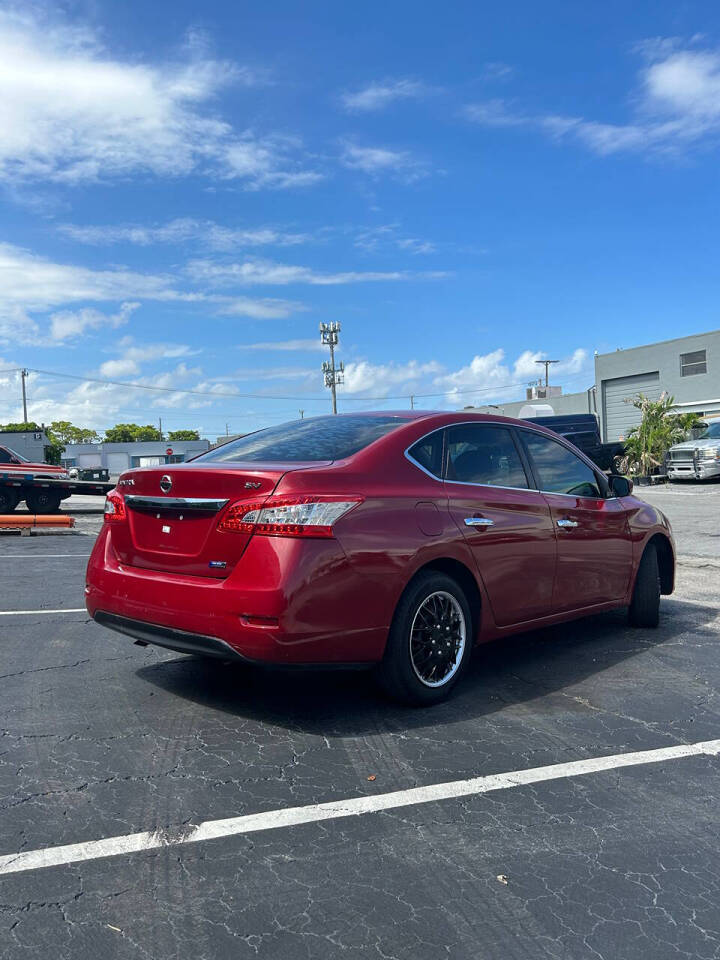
(429, 642)
(43, 501)
(9, 499)
(645, 604)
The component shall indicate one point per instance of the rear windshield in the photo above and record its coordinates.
(319, 438)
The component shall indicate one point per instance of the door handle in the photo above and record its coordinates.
(479, 522)
(567, 524)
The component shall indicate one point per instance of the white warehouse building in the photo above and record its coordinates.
(118, 457)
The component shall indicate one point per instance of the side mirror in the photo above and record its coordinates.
(620, 486)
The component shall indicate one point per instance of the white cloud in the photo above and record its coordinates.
(494, 378)
(377, 96)
(267, 272)
(381, 160)
(364, 377)
(375, 238)
(676, 104)
(133, 356)
(67, 323)
(263, 309)
(71, 112)
(186, 229)
(285, 345)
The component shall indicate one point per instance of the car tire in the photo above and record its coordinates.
(432, 612)
(645, 604)
(8, 500)
(43, 501)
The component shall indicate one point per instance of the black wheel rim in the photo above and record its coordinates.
(437, 639)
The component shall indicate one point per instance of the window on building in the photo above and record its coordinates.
(175, 458)
(693, 363)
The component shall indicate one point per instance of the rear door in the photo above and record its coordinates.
(594, 553)
(506, 524)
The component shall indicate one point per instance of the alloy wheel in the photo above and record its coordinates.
(437, 639)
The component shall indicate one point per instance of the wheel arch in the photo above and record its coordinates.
(666, 561)
(464, 577)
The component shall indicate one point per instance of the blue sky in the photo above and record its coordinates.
(188, 190)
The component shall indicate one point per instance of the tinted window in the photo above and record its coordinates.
(479, 453)
(5, 456)
(319, 438)
(558, 469)
(712, 432)
(428, 453)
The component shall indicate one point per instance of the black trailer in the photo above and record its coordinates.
(43, 495)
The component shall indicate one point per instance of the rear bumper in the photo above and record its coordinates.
(168, 637)
(287, 602)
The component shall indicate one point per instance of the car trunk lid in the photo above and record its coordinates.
(173, 515)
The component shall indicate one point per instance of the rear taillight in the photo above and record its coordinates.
(114, 508)
(288, 516)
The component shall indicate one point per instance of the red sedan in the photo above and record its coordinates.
(394, 540)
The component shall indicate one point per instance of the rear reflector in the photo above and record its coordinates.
(114, 508)
(288, 516)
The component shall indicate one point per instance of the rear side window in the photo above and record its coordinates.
(318, 438)
(428, 453)
(558, 469)
(480, 453)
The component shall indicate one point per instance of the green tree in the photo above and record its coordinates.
(67, 432)
(659, 429)
(183, 435)
(131, 432)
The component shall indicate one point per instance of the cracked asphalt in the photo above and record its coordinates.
(99, 737)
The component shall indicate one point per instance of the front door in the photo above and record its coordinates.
(594, 554)
(506, 524)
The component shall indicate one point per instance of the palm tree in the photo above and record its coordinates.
(659, 429)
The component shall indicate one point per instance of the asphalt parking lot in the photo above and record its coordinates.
(101, 739)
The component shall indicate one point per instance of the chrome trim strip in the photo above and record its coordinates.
(478, 522)
(174, 503)
(493, 486)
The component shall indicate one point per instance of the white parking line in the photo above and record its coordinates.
(28, 613)
(314, 813)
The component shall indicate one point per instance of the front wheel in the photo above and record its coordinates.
(429, 642)
(645, 604)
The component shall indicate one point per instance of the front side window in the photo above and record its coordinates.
(481, 453)
(318, 438)
(428, 453)
(5, 456)
(693, 363)
(558, 470)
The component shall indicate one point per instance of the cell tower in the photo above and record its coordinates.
(329, 337)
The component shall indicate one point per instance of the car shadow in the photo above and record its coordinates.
(337, 703)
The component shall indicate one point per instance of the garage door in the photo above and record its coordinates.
(117, 463)
(619, 414)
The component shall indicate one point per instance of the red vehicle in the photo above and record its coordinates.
(395, 540)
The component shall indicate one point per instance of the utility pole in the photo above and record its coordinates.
(227, 430)
(23, 374)
(160, 423)
(412, 401)
(302, 414)
(546, 364)
(329, 336)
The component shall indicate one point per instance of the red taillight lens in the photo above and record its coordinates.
(115, 508)
(311, 516)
